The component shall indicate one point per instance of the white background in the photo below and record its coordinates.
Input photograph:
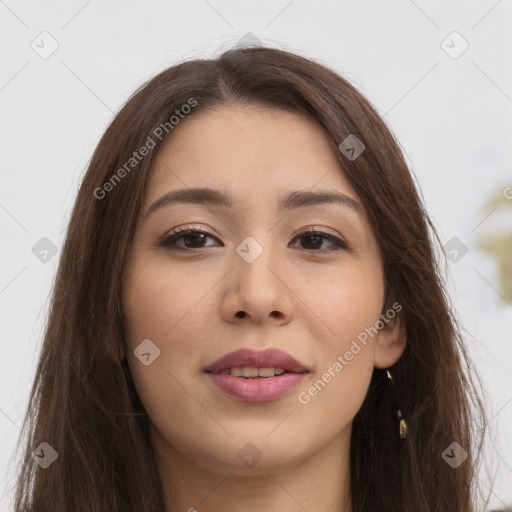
(451, 116)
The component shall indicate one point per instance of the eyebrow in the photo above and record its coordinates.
(292, 200)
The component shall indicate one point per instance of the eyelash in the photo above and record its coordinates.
(169, 240)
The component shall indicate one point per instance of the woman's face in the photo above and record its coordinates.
(248, 278)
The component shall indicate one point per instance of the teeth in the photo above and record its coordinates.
(266, 372)
(251, 372)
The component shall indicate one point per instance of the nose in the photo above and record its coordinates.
(257, 292)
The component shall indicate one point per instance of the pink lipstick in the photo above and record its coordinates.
(256, 376)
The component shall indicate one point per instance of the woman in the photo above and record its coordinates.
(248, 312)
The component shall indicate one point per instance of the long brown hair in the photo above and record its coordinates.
(83, 402)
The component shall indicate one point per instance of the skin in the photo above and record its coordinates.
(310, 304)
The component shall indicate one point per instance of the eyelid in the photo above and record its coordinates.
(314, 229)
(193, 227)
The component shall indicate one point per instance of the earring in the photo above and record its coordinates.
(403, 424)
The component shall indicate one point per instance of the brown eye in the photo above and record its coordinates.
(313, 240)
(192, 239)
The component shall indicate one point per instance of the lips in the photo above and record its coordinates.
(269, 358)
(251, 376)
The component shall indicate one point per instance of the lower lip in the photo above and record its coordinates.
(256, 390)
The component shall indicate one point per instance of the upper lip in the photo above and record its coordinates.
(267, 358)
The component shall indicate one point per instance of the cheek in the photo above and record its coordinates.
(160, 303)
(173, 310)
(341, 304)
(345, 308)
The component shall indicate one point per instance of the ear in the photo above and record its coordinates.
(391, 340)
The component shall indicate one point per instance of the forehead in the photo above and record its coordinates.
(254, 152)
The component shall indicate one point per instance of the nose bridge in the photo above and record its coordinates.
(253, 258)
